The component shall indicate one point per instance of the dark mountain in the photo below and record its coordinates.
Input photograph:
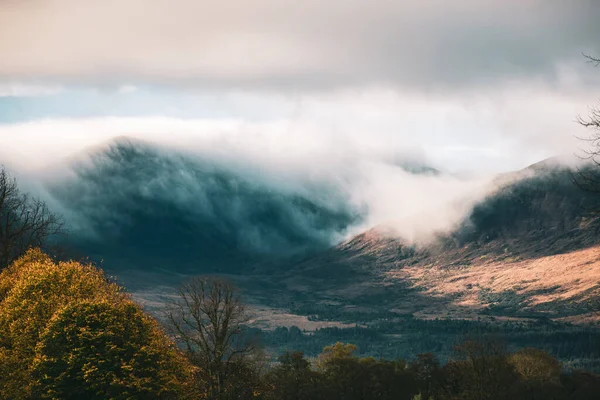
(138, 207)
(541, 212)
(138, 204)
(132, 203)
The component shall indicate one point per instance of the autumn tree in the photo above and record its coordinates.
(67, 332)
(349, 377)
(106, 350)
(539, 373)
(25, 221)
(209, 321)
(587, 176)
(294, 379)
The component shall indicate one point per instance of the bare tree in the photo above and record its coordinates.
(588, 176)
(24, 221)
(208, 319)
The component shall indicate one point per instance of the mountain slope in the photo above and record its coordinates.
(133, 202)
(140, 207)
(529, 250)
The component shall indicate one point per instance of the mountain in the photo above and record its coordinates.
(529, 250)
(133, 203)
(169, 214)
(524, 263)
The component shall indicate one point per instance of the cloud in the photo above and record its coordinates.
(27, 90)
(308, 45)
(477, 133)
(280, 172)
(127, 89)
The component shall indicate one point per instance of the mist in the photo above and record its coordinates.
(233, 187)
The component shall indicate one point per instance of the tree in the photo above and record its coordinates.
(293, 379)
(106, 350)
(68, 332)
(428, 373)
(24, 221)
(348, 377)
(539, 373)
(209, 319)
(481, 372)
(587, 177)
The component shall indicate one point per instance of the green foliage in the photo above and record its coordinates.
(294, 379)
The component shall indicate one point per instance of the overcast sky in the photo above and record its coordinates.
(470, 86)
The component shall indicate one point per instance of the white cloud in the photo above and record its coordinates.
(287, 159)
(127, 89)
(27, 90)
(479, 132)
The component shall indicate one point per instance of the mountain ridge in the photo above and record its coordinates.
(151, 224)
(540, 218)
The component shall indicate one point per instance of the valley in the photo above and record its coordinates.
(523, 264)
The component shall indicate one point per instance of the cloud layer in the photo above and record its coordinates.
(310, 187)
(284, 44)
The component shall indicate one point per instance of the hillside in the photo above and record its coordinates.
(155, 217)
(523, 264)
(562, 287)
(136, 205)
(528, 251)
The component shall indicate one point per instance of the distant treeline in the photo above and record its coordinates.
(576, 346)
(479, 370)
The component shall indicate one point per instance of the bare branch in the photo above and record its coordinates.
(24, 221)
(592, 59)
(209, 321)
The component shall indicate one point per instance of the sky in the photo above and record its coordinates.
(471, 86)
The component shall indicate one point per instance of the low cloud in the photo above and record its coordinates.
(27, 90)
(477, 133)
(262, 187)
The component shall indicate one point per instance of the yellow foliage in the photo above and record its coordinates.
(337, 351)
(41, 301)
(10, 275)
(112, 348)
(536, 365)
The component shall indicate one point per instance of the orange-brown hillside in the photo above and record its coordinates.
(563, 286)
